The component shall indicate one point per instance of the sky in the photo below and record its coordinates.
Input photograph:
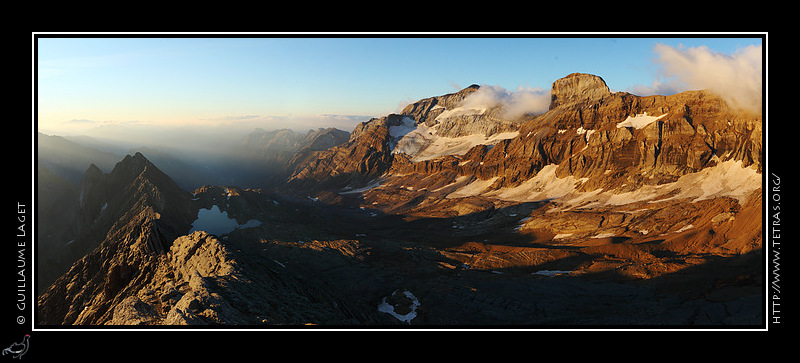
(84, 81)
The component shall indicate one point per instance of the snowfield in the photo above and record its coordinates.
(422, 143)
(543, 186)
(728, 178)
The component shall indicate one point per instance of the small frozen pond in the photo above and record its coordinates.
(385, 307)
(217, 222)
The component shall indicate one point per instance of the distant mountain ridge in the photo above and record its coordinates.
(69, 159)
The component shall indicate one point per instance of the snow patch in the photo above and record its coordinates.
(385, 307)
(370, 186)
(639, 121)
(461, 111)
(725, 179)
(476, 187)
(729, 178)
(545, 185)
(521, 223)
(551, 273)
(588, 133)
(404, 128)
(421, 142)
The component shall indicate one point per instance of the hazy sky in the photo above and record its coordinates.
(273, 82)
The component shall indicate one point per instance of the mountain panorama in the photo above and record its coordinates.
(609, 209)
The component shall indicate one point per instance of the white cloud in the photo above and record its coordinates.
(515, 103)
(737, 78)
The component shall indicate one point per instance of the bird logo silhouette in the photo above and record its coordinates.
(18, 349)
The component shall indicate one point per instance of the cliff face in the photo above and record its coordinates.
(366, 155)
(612, 139)
(577, 88)
(372, 146)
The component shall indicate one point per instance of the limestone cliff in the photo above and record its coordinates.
(612, 139)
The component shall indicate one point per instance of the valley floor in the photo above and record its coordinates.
(506, 264)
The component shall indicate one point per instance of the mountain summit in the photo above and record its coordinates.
(577, 87)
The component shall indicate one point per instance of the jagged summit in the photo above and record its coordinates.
(427, 110)
(127, 218)
(427, 128)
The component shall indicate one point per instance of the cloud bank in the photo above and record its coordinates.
(737, 78)
(515, 103)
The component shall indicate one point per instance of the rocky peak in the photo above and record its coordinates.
(131, 164)
(130, 217)
(324, 138)
(577, 87)
(427, 109)
(91, 179)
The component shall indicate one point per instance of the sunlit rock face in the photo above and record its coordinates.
(577, 87)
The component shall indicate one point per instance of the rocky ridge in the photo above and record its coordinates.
(370, 151)
(613, 139)
(149, 270)
(125, 218)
